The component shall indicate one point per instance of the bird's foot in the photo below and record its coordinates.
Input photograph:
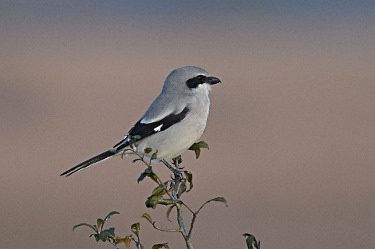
(177, 173)
(177, 160)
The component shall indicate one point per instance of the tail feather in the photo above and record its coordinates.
(89, 163)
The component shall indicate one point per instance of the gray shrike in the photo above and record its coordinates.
(174, 121)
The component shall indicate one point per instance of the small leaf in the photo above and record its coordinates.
(119, 240)
(169, 211)
(96, 236)
(103, 235)
(165, 202)
(151, 201)
(181, 189)
(157, 246)
(171, 189)
(111, 231)
(160, 190)
(109, 215)
(127, 241)
(84, 224)
(219, 199)
(201, 144)
(196, 147)
(135, 228)
(197, 153)
(189, 178)
(154, 155)
(147, 217)
(153, 177)
(141, 177)
(99, 222)
(147, 150)
(148, 172)
(251, 242)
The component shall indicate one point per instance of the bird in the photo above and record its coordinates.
(174, 121)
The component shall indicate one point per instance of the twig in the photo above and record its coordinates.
(180, 215)
(164, 229)
(148, 164)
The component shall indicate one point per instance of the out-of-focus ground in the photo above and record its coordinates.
(291, 129)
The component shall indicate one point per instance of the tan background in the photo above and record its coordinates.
(291, 129)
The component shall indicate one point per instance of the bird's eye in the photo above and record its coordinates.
(194, 82)
(201, 79)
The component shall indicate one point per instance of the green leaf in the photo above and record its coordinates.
(165, 202)
(103, 235)
(147, 217)
(157, 246)
(111, 231)
(196, 147)
(147, 150)
(154, 155)
(181, 189)
(251, 242)
(148, 172)
(84, 224)
(119, 240)
(169, 211)
(160, 190)
(197, 153)
(171, 188)
(219, 199)
(141, 177)
(153, 177)
(135, 228)
(99, 222)
(151, 201)
(201, 144)
(189, 178)
(96, 236)
(109, 215)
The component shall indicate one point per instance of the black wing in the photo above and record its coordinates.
(141, 130)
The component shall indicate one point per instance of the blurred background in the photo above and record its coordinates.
(291, 129)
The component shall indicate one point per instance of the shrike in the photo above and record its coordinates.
(174, 121)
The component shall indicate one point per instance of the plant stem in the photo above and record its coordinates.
(182, 225)
(180, 213)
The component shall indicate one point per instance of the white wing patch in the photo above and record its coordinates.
(156, 129)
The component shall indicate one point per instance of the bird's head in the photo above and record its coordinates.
(190, 79)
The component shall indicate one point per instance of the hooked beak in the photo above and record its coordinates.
(213, 80)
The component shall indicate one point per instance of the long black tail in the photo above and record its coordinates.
(89, 163)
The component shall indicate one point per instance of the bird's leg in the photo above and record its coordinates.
(176, 172)
(177, 161)
(177, 177)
